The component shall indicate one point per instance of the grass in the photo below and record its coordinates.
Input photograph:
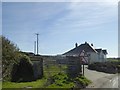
(33, 84)
(113, 60)
(0, 85)
(36, 84)
(83, 80)
(53, 69)
(54, 72)
(61, 85)
(59, 80)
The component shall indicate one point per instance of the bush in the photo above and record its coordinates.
(23, 70)
(106, 67)
(118, 67)
(10, 53)
(82, 81)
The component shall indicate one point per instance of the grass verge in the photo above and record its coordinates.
(33, 84)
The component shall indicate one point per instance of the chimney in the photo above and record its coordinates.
(86, 43)
(76, 45)
(91, 44)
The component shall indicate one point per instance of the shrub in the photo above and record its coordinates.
(10, 53)
(66, 82)
(23, 70)
(118, 67)
(59, 84)
(106, 67)
(82, 81)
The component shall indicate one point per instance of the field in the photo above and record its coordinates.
(113, 59)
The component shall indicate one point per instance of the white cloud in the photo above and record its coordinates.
(70, 27)
(85, 15)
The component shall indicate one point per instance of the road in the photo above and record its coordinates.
(101, 80)
(111, 83)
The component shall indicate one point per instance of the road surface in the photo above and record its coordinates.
(101, 80)
(111, 83)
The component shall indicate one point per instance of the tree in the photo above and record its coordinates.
(10, 54)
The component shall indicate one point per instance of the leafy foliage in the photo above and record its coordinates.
(23, 71)
(82, 81)
(107, 67)
(10, 54)
(16, 65)
(61, 80)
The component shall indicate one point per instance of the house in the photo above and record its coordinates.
(101, 54)
(104, 54)
(93, 55)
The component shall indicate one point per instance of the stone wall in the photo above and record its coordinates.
(74, 66)
(37, 66)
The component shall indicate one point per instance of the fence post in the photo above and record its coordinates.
(83, 69)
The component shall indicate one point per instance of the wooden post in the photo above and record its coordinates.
(83, 69)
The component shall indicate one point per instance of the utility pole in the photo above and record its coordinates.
(34, 47)
(37, 42)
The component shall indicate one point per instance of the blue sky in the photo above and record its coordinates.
(61, 25)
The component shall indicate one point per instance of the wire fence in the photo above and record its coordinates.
(52, 67)
(69, 65)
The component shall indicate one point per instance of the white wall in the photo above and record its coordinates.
(105, 58)
(93, 57)
(102, 57)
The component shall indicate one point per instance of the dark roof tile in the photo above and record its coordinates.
(98, 50)
(76, 51)
(105, 51)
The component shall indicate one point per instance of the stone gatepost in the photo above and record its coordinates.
(74, 66)
(37, 66)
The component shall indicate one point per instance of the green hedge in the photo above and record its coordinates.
(10, 53)
(23, 70)
(107, 67)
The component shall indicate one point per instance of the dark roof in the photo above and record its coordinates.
(105, 51)
(76, 51)
(98, 50)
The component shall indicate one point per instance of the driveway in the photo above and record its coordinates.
(100, 79)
